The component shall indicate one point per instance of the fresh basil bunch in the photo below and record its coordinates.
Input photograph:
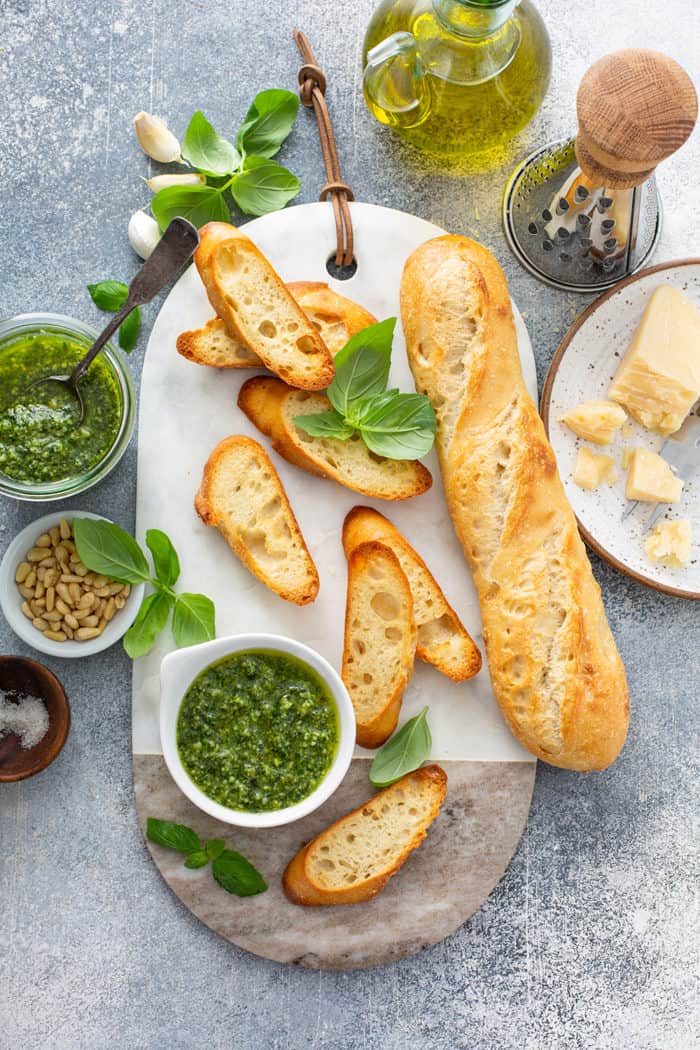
(391, 424)
(231, 870)
(107, 549)
(405, 751)
(257, 183)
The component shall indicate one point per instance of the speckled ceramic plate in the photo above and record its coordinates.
(581, 370)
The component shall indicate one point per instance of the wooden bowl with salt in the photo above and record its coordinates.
(22, 679)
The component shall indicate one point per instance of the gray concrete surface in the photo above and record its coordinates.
(590, 940)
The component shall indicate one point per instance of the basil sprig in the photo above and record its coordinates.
(257, 183)
(405, 751)
(391, 424)
(111, 296)
(230, 869)
(107, 549)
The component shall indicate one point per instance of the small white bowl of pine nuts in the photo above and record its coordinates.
(53, 601)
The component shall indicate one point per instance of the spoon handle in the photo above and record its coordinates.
(173, 250)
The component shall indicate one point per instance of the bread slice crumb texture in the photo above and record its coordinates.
(242, 496)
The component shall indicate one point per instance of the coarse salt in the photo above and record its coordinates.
(26, 716)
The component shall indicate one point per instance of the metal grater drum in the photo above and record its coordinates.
(559, 244)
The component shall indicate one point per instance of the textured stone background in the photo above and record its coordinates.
(590, 941)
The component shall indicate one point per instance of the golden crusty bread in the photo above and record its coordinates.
(442, 640)
(257, 308)
(555, 670)
(352, 860)
(242, 496)
(336, 318)
(272, 405)
(380, 640)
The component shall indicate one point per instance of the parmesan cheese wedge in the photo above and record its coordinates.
(596, 421)
(669, 542)
(658, 379)
(651, 479)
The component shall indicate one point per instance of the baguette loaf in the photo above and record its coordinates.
(352, 860)
(380, 640)
(441, 640)
(272, 405)
(242, 496)
(555, 670)
(257, 308)
(336, 318)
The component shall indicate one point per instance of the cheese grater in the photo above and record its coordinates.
(585, 212)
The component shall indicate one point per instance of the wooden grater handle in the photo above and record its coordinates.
(634, 108)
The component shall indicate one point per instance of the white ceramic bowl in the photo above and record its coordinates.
(180, 668)
(11, 600)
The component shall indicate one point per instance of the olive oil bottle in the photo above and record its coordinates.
(456, 78)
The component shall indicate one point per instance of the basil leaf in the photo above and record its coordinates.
(400, 428)
(325, 424)
(378, 336)
(214, 848)
(175, 836)
(263, 186)
(268, 122)
(405, 751)
(199, 204)
(198, 859)
(110, 551)
(165, 560)
(359, 408)
(129, 330)
(237, 875)
(193, 620)
(150, 621)
(206, 150)
(109, 295)
(363, 374)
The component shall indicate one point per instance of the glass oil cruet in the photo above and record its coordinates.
(456, 78)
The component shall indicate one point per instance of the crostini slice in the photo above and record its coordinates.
(242, 496)
(380, 640)
(258, 309)
(336, 318)
(352, 860)
(272, 406)
(442, 639)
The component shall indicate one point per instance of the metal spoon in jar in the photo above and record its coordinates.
(173, 250)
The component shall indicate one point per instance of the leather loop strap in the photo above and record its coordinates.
(312, 89)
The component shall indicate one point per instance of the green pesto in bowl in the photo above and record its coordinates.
(41, 439)
(257, 731)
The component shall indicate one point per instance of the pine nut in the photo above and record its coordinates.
(50, 598)
(61, 554)
(65, 529)
(26, 592)
(23, 570)
(55, 636)
(35, 607)
(71, 621)
(63, 593)
(80, 570)
(44, 540)
(69, 577)
(36, 554)
(110, 609)
(52, 615)
(55, 534)
(80, 614)
(85, 633)
(39, 590)
(119, 601)
(31, 579)
(74, 591)
(27, 611)
(91, 621)
(68, 631)
(87, 600)
(115, 588)
(51, 577)
(41, 573)
(126, 590)
(40, 624)
(102, 592)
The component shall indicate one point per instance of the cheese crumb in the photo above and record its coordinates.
(669, 543)
(592, 470)
(595, 421)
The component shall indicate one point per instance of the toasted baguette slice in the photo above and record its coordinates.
(442, 639)
(353, 859)
(271, 405)
(257, 308)
(380, 640)
(336, 318)
(242, 496)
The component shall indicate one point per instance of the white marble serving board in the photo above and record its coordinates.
(582, 372)
(186, 409)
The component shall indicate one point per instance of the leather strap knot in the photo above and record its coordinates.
(312, 90)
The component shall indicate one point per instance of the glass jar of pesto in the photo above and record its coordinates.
(45, 452)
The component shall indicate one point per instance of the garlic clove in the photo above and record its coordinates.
(144, 233)
(161, 182)
(156, 139)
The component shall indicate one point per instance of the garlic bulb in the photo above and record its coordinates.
(156, 139)
(161, 182)
(144, 233)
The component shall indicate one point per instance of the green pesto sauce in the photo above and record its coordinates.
(40, 439)
(257, 731)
